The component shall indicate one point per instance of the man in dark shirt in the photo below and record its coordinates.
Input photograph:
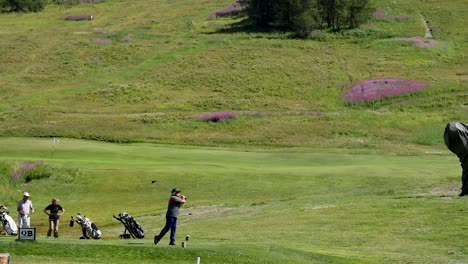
(456, 139)
(55, 211)
(173, 210)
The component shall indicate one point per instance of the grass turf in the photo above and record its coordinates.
(262, 206)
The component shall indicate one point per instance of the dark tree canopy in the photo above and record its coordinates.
(302, 16)
(341, 14)
(22, 5)
(265, 13)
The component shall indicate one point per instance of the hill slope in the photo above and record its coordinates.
(145, 71)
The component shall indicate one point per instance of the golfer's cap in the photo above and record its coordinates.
(175, 190)
(26, 194)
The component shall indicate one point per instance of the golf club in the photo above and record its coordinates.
(165, 186)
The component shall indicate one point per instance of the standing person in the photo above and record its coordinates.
(456, 139)
(55, 211)
(173, 210)
(24, 208)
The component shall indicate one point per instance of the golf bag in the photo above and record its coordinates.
(7, 223)
(88, 228)
(131, 225)
(456, 139)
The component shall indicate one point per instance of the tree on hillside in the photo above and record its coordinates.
(302, 16)
(22, 5)
(340, 14)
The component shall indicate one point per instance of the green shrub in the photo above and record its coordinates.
(39, 172)
(22, 5)
(4, 171)
(24, 172)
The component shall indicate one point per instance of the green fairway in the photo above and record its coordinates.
(276, 206)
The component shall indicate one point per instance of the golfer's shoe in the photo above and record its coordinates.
(172, 243)
(156, 239)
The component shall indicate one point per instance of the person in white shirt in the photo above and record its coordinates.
(25, 208)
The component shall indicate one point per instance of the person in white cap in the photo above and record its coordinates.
(25, 208)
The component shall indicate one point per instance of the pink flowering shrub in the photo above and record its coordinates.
(79, 17)
(217, 117)
(380, 14)
(229, 10)
(23, 170)
(375, 89)
(420, 42)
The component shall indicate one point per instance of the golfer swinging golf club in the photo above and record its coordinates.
(173, 210)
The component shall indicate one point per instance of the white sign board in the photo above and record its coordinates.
(27, 233)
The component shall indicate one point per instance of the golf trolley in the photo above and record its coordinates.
(131, 225)
(6, 222)
(88, 228)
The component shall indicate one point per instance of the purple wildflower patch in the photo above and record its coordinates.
(16, 175)
(380, 14)
(375, 89)
(420, 42)
(79, 17)
(26, 166)
(229, 10)
(218, 116)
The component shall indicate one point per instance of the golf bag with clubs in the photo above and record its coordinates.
(7, 223)
(131, 225)
(456, 140)
(88, 228)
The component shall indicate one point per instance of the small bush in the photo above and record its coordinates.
(22, 6)
(41, 171)
(217, 117)
(24, 172)
(79, 17)
(19, 173)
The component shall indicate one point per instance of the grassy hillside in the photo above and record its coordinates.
(145, 71)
